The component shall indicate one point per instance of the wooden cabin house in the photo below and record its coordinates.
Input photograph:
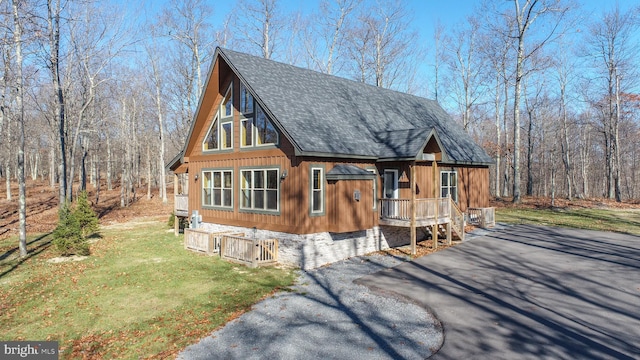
(330, 167)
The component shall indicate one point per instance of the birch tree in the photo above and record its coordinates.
(612, 49)
(19, 119)
(260, 26)
(526, 13)
(326, 33)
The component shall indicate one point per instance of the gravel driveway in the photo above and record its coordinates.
(327, 316)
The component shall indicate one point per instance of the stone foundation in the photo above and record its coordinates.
(309, 251)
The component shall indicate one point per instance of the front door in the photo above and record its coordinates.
(390, 183)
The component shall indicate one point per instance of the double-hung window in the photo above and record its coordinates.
(217, 188)
(317, 190)
(449, 184)
(260, 190)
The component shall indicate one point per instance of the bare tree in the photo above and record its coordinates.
(326, 32)
(467, 68)
(53, 33)
(157, 84)
(19, 118)
(612, 49)
(383, 47)
(525, 14)
(260, 25)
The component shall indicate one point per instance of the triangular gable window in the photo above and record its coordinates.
(257, 130)
(211, 140)
(220, 134)
(265, 131)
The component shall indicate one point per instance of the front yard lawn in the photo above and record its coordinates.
(616, 220)
(139, 295)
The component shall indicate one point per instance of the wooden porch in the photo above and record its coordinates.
(436, 213)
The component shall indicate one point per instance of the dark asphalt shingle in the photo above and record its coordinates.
(324, 114)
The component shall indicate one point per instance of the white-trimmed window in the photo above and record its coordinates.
(266, 133)
(246, 100)
(226, 134)
(217, 188)
(220, 134)
(317, 190)
(226, 107)
(246, 132)
(375, 187)
(449, 184)
(211, 140)
(260, 189)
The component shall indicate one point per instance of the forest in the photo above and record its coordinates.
(93, 94)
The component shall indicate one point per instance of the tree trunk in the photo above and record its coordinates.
(83, 169)
(149, 173)
(109, 164)
(516, 121)
(616, 143)
(22, 189)
(498, 145)
(7, 179)
(530, 155)
(52, 168)
(53, 20)
(505, 113)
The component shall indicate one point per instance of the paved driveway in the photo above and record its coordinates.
(529, 292)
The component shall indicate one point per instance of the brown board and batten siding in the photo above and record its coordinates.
(473, 189)
(473, 186)
(342, 212)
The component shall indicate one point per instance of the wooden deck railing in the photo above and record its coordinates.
(457, 220)
(400, 209)
(483, 217)
(251, 252)
(181, 205)
(205, 241)
(232, 246)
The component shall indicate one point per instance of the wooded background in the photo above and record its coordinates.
(93, 94)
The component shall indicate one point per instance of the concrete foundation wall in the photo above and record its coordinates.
(310, 251)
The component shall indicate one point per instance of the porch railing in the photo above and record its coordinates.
(483, 217)
(400, 209)
(181, 205)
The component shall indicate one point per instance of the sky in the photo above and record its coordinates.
(426, 13)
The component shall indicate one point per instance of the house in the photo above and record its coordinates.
(330, 167)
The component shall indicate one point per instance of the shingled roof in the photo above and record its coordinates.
(326, 115)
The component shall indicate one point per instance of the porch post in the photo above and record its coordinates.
(412, 170)
(434, 228)
(176, 219)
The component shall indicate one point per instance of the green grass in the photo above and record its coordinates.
(623, 221)
(140, 294)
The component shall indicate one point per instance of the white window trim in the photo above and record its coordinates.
(225, 121)
(222, 188)
(449, 187)
(253, 105)
(215, 121)
(255, 127)
(313, 190)
(242, 130)
(228, 94)
(251, 188)
(375, 187)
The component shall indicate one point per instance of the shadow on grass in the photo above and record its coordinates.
(37, 249)
(590, 220)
